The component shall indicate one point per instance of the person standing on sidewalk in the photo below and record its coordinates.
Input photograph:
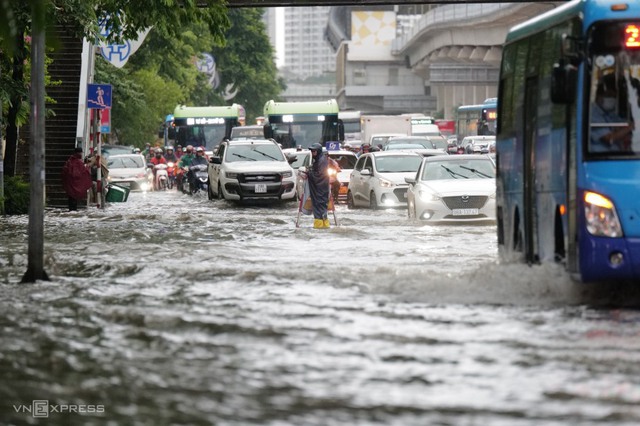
(76, 179)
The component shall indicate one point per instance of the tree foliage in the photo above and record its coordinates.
(161, 74)
(247, 62)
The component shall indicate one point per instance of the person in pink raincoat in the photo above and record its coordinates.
(76, 179)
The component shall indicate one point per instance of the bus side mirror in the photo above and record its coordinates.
(267, 131)
(563, 83)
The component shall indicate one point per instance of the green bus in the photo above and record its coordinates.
(205, 126)
(301, 124)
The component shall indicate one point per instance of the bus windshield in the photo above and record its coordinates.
(207, 136)
(614, 127)
(291, 135)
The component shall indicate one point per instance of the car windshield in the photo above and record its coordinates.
(395, 146)
(344, 161)
(459, 169)
(439, 142)
(379, 140)
(253, 152)
(129, 162)
(398, 164)
(299, 159)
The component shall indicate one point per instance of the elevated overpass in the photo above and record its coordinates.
(457, 48)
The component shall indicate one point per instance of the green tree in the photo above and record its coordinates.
(82, 16)
(247, 62)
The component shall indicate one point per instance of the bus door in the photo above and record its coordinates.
(529, 173)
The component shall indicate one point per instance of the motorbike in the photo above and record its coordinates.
(161, 180)
(197, 179)
(172, 171)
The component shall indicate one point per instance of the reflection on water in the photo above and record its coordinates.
(168, 309)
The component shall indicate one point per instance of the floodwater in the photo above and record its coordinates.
(170, 309)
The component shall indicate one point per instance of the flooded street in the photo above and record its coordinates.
(170, 309)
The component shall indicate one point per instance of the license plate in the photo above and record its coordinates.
(126, 184)
(261, 188)
(465, 212)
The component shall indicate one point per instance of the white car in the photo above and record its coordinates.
(378, 180)
(251, 169)
(427, 142)
(380, 139)
(130, 171)
(454, 189)
(477, 144)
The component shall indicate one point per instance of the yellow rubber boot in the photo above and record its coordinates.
(326, 223)
(318, 224)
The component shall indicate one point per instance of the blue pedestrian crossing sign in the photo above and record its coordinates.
(98, 96)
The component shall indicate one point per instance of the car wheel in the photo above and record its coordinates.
(410, 210)
(210, 193)
(350, 203)
(373, 203)
(220, 193)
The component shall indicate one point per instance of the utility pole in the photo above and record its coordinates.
(1, 160)
(35, 267)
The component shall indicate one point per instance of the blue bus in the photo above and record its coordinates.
(480, 119)
(568, 180)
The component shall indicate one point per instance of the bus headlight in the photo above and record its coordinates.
(601, 217)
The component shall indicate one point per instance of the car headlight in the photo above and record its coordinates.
(601, 217)
(231, 175)
(428, 195)
(386, 183)
(287, 174)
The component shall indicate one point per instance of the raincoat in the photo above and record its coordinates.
(76, 178)
(319, 186)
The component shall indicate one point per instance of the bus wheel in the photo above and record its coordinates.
(518, 238)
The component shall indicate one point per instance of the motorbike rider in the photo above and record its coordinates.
(157, 159)
(333, 170)
(197, 160)
(184, 163)
(170, 156)
(148, 152)
(179, 152)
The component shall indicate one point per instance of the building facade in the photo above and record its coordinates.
(306, 52)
